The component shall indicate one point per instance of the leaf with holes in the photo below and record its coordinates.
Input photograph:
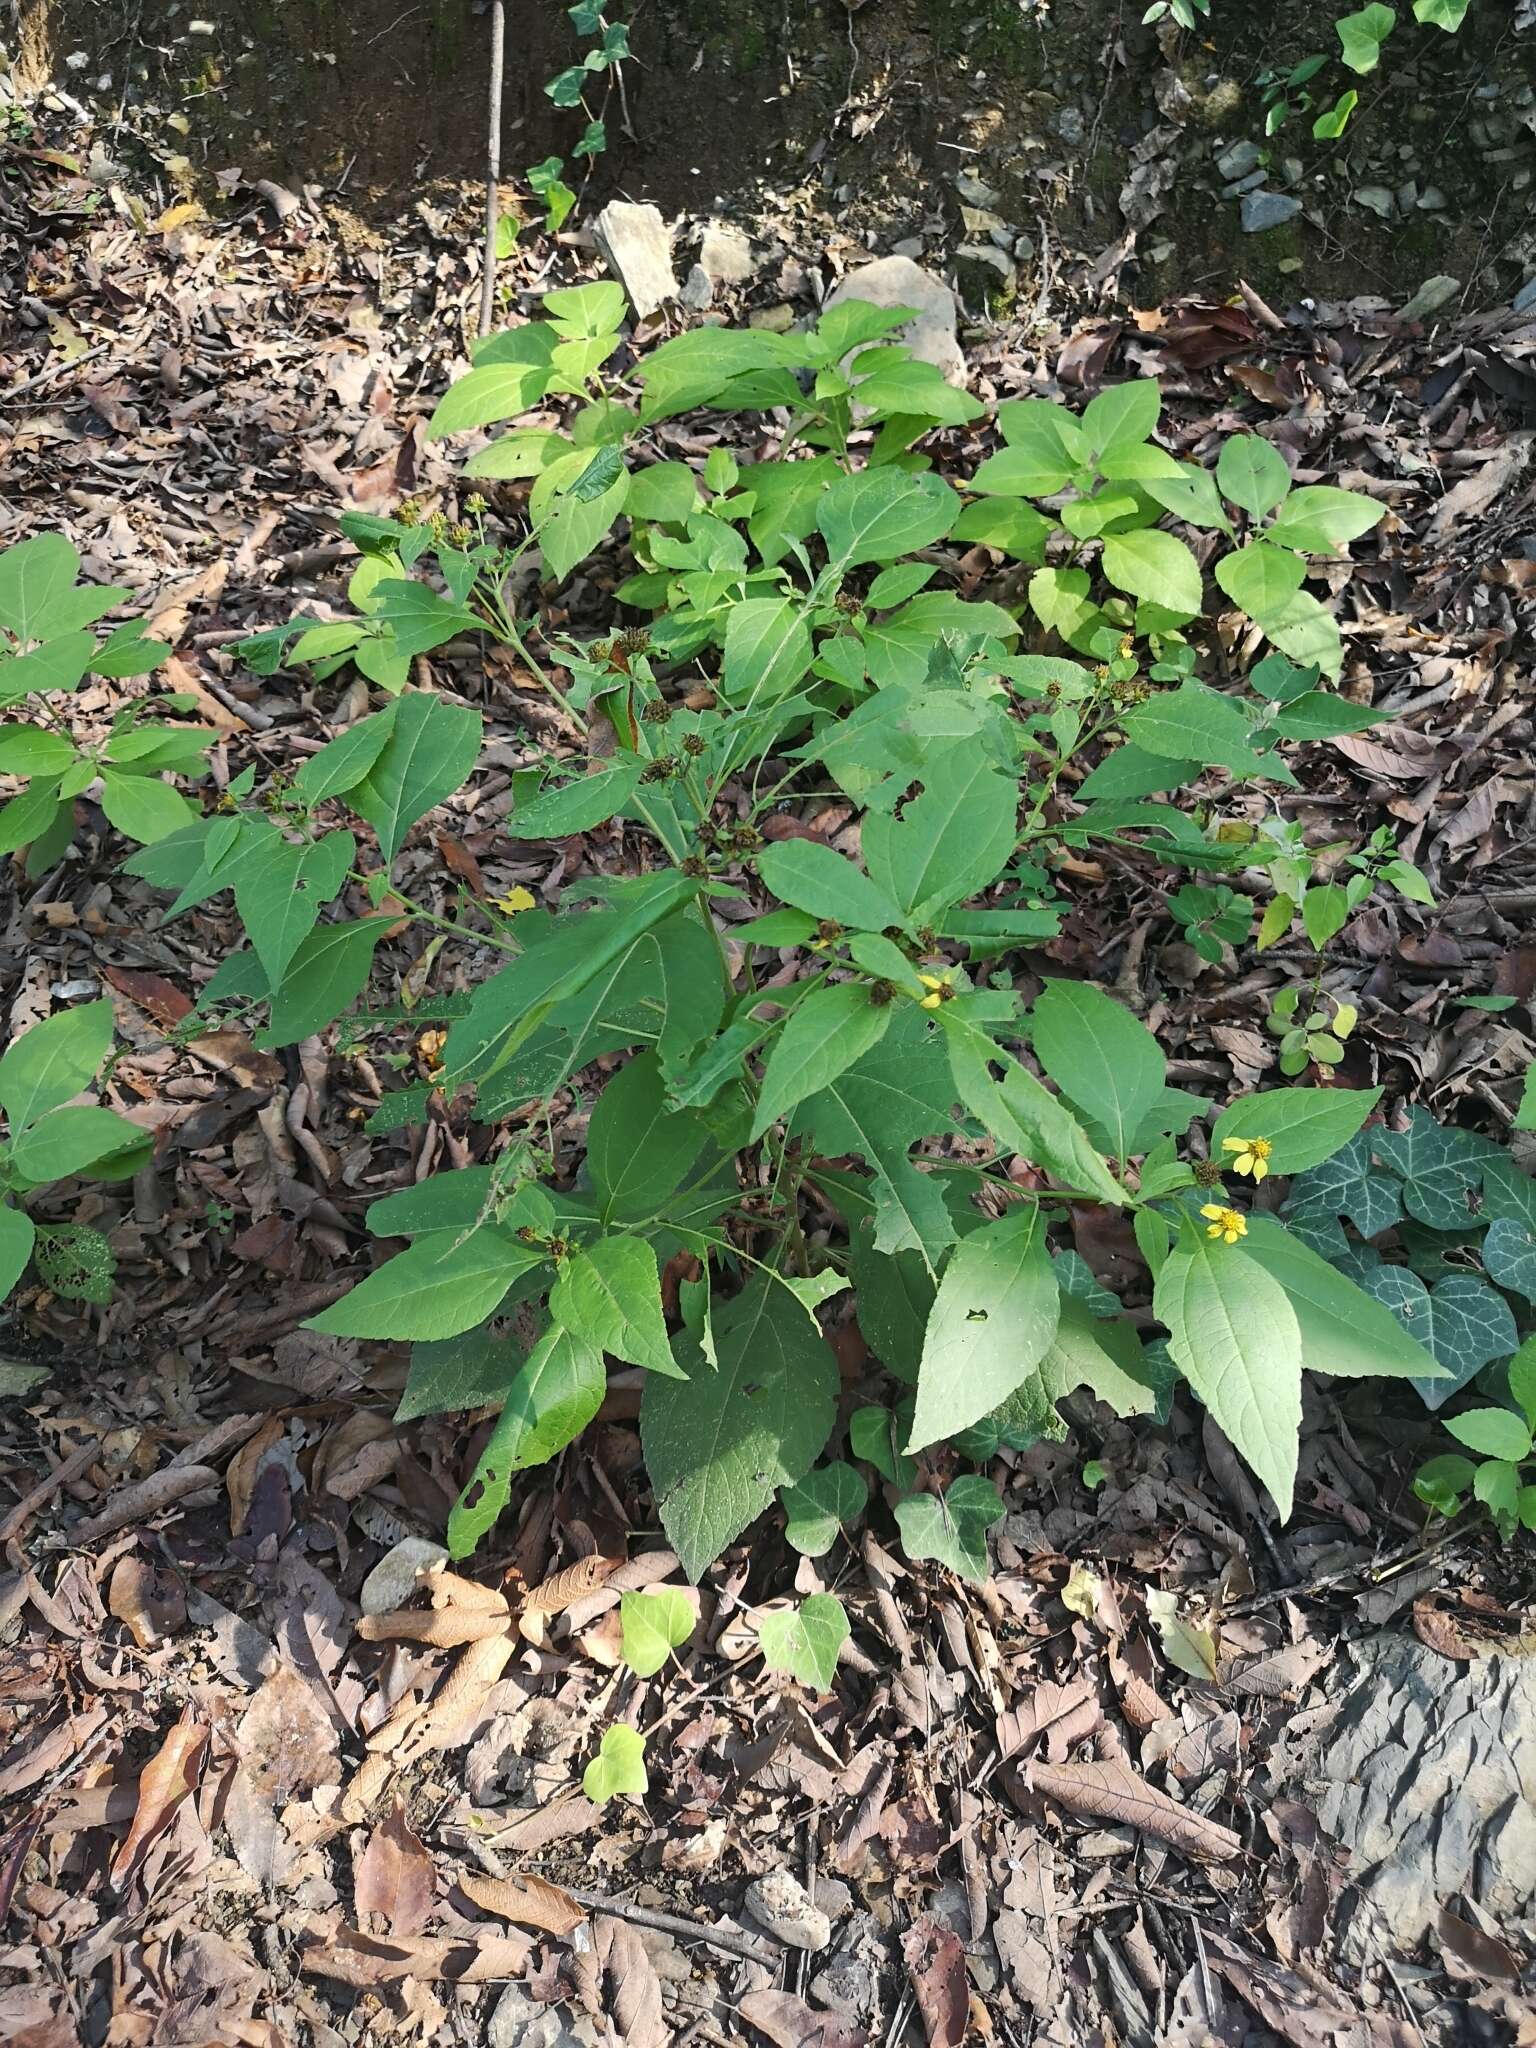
(997, 1309)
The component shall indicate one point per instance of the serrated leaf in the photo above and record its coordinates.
(431, 748)
(42, 1068)
(1100, 1056)
(639, 1148)
(443, 1283)
(817, 1507)
(950, 842)
(1193, 723)
(609, 1295)
(718, 1444)
(1305, 1126)
(473, 1370)
(1235, 1337)
(805, 1640)
(618, 1770)
(1492, 1433)
(1155, 566)
(328, 972)
(825, 1033)
(556, 1393)
(814, 878)
(952, 1528)
(654, 1625)
(1022, 1114)
(877, 514)
(996, 1313)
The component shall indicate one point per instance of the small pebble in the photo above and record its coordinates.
(780, 1904)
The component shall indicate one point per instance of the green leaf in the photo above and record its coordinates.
(1252, 474)
(638, 1147)
(1446, 14)
(1320, 715)
(57, 665)
(877, 514)
(996, 1313)
(52, 1062)
(1156, 566)
(1440, 1168)
(952, 1528)
(1525, 1113)
(1362, 35)
(654, 1625)
(69, 1141)
(1100, 1056)
(1022, 1114)
(442, 1284)
(1121, 416)
(1460, 1321)
(17, 1237)
(804, 1641)
(328, 972)
(282, 890)
(1344, 1330)
(573, 525)
(37, 585)
(1492, 1433)
(1261, 580)
(618, 1769)
(343, 762)
(666, 491)
(1013, 528)
(471, 1370)
(1319, 519)
(1522, 1379)
(1497, 1486)
(718, 1444)
(27, 750)
(142, 807)
(431, 748)
(577, 806)
(1509, 1256)
(1330, 125)
(820, 1505)
(609, 1295)
(554, 1396)
(1190, 495)
(1305, 629)
(1193, 723)
(587, 309)
(1304, 1125)
(824, 1035)
(510, 375)
(875, 1434)
(1045, 445)
(1235, 1337)
(767, 650)
(950, 842)
(816, 879)
(1348, 1185)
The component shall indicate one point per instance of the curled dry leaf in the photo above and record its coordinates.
(1056, 1716)
(148, 1604)
(440, 1628)
(789, 2022)
(245, 1469)
(163, 1783)
(531, 1901)
(348, 1956)
(413, 1728)
(449, 1589)
(1114, 1792)
(574, 1583)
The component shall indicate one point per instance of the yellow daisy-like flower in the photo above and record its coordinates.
(939, 991)
(1252, 1155)
(1224, 1223)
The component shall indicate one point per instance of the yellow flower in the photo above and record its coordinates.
(1252, 1155)
(515, 900)
(939, 991)
(1226, 1224)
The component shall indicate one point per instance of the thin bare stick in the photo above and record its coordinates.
(493, 166)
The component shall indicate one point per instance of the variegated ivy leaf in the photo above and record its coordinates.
(1460, 1320)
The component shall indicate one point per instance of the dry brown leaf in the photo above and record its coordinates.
(935, 1960)
(1130, 1671)
(448, 1589)
(393, 1878)
(442, 1629)
(558, 1822)
(574, 1583)
(1114, 1792)
(245, 1469)
(348, 1956)
(286, 1739)
(789, 2022)
(531, 1901)
(1058, 1715)
(148, 1604)
(163, 1783)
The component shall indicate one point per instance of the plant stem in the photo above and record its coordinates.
(493, 166)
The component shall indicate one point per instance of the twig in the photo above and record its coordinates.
(493, 166)
(62, 1473)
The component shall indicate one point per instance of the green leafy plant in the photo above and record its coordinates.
(1187, 13)
(569, 88)
(47, 649)
(50, 1138)
(757, 1027)
(618, 1770)
(1500, 1439)
(1211, 917)
(1361, 38)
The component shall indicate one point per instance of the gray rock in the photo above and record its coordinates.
(637, 244)
(976, 191)
(1251, 183)
(985, 267)
(1376, 199)
(725, 255)
(1239, 158)
(832, 1896)
(1071, 127)
(781, 1904)
(518, 2023)
(847, 1988)
(898, 281)
(698, 289)
(393, 1579)
(1525, 298)
(912, 246)
(1423, 1769)
(1431, 296)
(1432, 200)
(1264, 210)
(772, 319)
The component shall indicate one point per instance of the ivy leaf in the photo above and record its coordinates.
(827, 1032)
(1347, 1185)
(805, 1640)
(618, 1769)
(895, 1295)
(556, 1393)
(1509, 1256)
(1344, 1329)
(654, 1625)
(1234, 1335)
(1506, 1190)
(718, 1444)
(1362, 35)
(1460, 1321)
(442, 1284)
(431, 748)
(997, 1309)
(609, 1295)
(821, 1504)
(952, 1528)
(1439, 1168)
(874, 1434)
(1100, 1056)
(1304, 1125)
